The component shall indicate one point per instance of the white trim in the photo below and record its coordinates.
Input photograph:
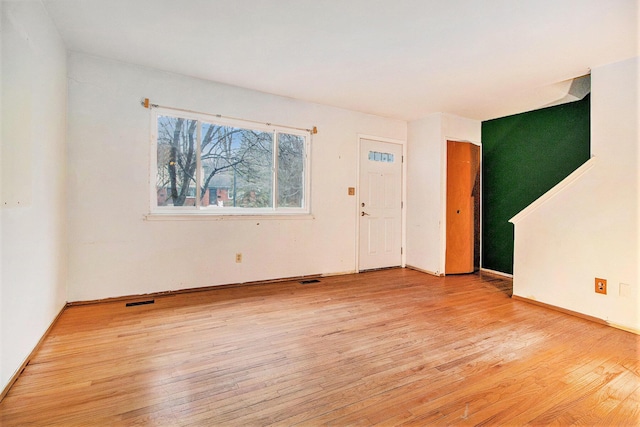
(338, 273)
(199, 165)
(153, 161)
(222, 120)
(443, 203)
(497, 273)
(381, 139)
(195, 216)
(357, 207)
(557, 189)
(631, 329)
(274, 170)
(422, 270)
(403, 212)
(194, 113)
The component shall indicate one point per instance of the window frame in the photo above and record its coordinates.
(216, 212)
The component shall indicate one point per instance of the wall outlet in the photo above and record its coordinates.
(601, 286)
(238, 257)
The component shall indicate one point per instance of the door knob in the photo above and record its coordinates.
(363, 213)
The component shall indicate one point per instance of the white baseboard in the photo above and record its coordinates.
(422, 270)
(497, 273)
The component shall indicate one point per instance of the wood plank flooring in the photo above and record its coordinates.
(391, 347)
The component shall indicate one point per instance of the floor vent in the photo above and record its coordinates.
(306, 282)
(133, 304)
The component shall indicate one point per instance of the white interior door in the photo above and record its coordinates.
(380, 205)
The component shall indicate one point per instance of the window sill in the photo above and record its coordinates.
(199, 216)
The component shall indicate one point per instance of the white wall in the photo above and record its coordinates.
(2, 26)
(33, 180)
(590, 228)
(114, 251)
(426, 188)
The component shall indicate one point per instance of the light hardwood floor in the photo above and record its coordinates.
(387, 347)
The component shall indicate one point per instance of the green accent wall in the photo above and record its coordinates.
(524, 156)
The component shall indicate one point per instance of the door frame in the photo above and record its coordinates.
(443, 200)
(403, 195)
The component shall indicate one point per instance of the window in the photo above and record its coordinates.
(209, 165)
(377, 156)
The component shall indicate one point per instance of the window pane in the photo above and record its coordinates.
(175, 180)
(290, 170)
(236, 167)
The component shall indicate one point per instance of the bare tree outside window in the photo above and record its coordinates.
(290, 170)
(243, 159)
(236, 166)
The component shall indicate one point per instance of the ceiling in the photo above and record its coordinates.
(402, 59)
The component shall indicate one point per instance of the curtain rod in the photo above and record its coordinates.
(147, 104)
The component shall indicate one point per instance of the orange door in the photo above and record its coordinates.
(463, 168)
